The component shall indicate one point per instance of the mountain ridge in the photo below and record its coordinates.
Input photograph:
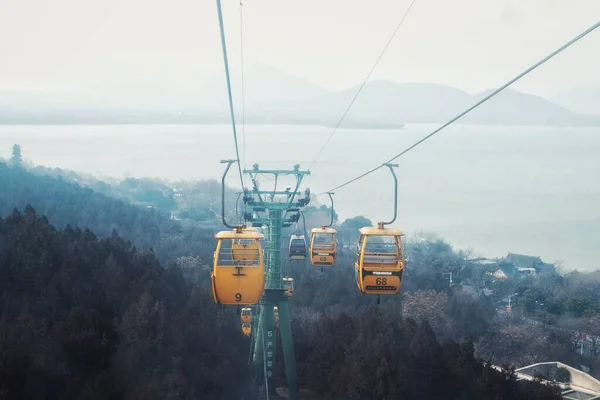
(273, 96)
(585, 100)
(425, 102)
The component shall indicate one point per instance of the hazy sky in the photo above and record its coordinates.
(470, 44)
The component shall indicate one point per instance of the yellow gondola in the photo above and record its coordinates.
(288, 283)
(379, 265)
(323, 247)
(238, 275)
(246, 315)
(247, 329)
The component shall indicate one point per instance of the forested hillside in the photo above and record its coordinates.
(432, 332)
(83, 317)
(198, 201)
(375, 354)
(65, 202)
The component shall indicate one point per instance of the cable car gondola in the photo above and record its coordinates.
(323, 247)
(297, 248)
(238, 275)
(247, 329)
(288, 283)
(379, 265)
(246, 315)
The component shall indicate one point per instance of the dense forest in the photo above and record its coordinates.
(104, 298)
(374, 354)
(86, 318)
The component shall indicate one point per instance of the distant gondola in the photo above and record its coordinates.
(289, 285)
(297, 248)
(323, 247)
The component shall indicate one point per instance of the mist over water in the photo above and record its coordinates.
(528, 190)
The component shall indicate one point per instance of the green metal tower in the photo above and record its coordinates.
(273, 210)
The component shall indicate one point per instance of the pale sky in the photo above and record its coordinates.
(469, 44)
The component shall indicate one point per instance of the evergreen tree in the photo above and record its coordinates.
(16, 158)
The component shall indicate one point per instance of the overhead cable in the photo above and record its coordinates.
(226, 62)
(480, 102)
(243, 95)
(363, 84)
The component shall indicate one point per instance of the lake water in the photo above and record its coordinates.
(528, 190)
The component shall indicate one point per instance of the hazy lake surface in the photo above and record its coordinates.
(528, 190)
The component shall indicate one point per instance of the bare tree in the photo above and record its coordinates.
(427, 305)
(592, 327)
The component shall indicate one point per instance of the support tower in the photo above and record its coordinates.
(275, 210)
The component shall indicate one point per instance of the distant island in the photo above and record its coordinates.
(274, 97)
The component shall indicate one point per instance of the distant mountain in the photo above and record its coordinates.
(275, 97)
(205, 93)
(382, 101)
(510, 107)
(393, 103)
(581, 100)
(261, 84)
